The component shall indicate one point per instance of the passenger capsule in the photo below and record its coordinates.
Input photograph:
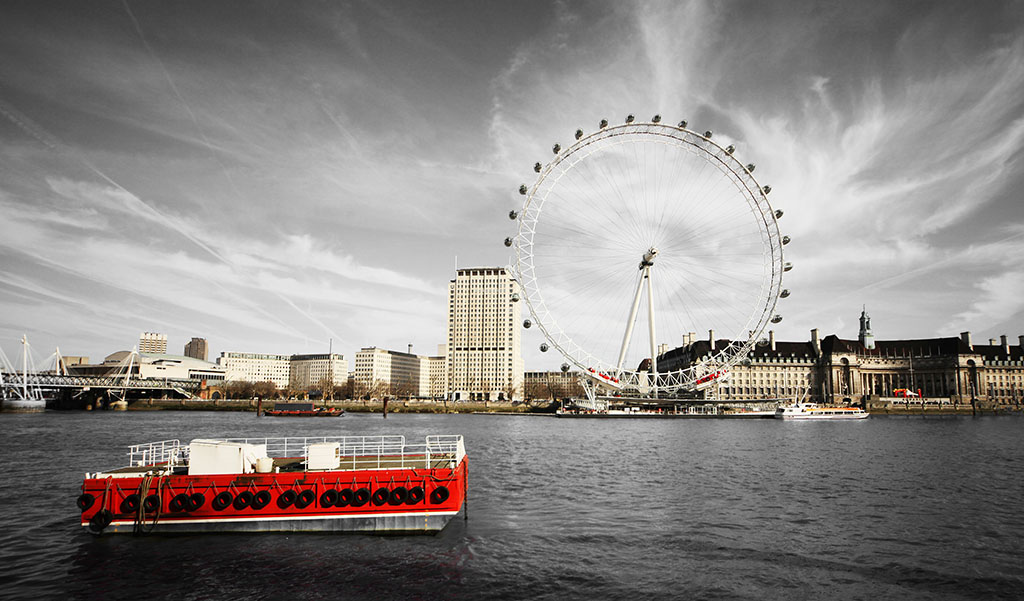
(750, 167)
(604, 123)
(683, 124)
(785, 239)
(513, 215)
(766, 189)
(630, 118)
(515, 297)
(778, 213)
(656, 119)
(579, 134)
(536, 167)
(730, 149)
(527, 323)
(708, 134)
(544, 347)
(776, 318)
(762, 342)
(784, 293)
(565, 367)
(523, 189)
(557, 148)
(787, 266)
(508, 241)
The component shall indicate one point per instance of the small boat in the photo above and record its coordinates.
(815, 411)
(747, 413)
(302, 410)
(376, 484)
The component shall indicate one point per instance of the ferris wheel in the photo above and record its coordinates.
(652, 223)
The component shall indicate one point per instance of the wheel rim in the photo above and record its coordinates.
(601, 203)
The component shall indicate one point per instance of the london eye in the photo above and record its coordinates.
(637, 234)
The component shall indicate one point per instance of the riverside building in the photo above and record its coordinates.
(256, 367)
(197, 349)
(151, 342)
(379, 372)
(877, 373)
(484, 359)
(311, 371)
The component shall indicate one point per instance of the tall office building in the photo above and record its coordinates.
(151, 342)
(196, 349)
(484, 359)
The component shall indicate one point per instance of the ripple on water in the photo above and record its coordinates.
(565, 509)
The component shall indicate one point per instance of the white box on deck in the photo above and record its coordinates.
(207, 457)
(324, 456)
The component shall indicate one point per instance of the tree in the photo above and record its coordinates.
(535, 390)
(326, 388)
(510, 390)
(265, 389)
(404, 389)
(238, 389)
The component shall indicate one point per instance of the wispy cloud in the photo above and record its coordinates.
(277, 177)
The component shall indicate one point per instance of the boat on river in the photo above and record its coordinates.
(817, 412)
(377, 484)
(302, 410)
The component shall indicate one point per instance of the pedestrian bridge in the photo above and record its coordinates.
(56, 381)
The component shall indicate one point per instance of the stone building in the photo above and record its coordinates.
(928, 371)
(772, 371)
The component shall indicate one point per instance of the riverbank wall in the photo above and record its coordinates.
(349, 406)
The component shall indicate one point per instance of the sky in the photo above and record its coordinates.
(288, 177)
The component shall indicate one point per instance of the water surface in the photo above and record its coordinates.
(884, 508)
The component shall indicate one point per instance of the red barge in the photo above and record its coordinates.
(302, 410)
(336, 484)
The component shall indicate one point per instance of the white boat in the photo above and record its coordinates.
(815, 411)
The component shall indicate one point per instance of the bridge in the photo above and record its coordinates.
(72, 390)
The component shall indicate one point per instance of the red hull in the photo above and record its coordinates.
(278, 501)
(320, 413)
(364, 484)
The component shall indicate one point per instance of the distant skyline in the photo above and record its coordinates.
(270, 176)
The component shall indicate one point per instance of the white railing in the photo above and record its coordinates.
(446, 445)
(295, 446)
(171, 452)
(354, 452)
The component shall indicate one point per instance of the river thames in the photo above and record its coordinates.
(883, 508)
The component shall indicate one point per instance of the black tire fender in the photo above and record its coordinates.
(243, 500)
(285, 499)
(328, 498)
(439, 495)
(85, 501)
(195, 501)
(305, 499)
(398, 495)
(260, 499)
(222, 500)
(361, 497)
(152, 503)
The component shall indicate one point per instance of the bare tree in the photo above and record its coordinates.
(510, 390)
(534, 390)
(265, 389)
(404, 389)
